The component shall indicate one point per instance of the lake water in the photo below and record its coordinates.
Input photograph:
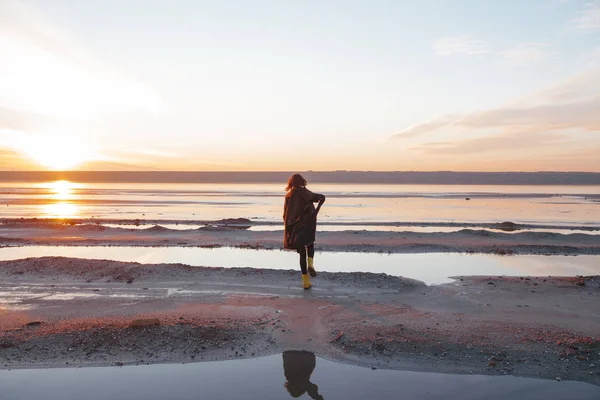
(360, 204)
(431, 268)
(293, 375)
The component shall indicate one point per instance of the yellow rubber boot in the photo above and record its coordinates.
(306, 281)
(311, 267)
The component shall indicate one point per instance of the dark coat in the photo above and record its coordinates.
(300, 218)
(298, 366)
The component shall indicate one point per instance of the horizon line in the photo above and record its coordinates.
(319, 177)
(299, 171)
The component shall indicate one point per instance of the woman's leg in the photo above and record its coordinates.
(311, 255)
(303, 266)
(305, 280)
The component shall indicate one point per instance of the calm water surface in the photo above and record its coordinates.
(293, 375)
(555, 205)
(431, 268)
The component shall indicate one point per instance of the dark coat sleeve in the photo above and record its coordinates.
(310, 197)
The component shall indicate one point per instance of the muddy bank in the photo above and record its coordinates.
(58, 310)
(107, 271)
(245, 223)
(466, 240)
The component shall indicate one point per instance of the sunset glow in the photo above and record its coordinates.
(56, 152)
(294, 86)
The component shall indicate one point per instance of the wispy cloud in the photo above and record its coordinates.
(115, 166)
(520, 55)
(52, 86)
(590, 59)
(418, 130)
(587, 20)
(581, 87)
(154, 153)
(54, 75)
(11, 160)
(460, 45)
(571, 104)
(553, 3)
(21, 120)
(525, 54)
(494, 144)
(4, 152)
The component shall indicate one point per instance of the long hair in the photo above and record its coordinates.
(295, 182)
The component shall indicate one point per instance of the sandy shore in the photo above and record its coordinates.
(466, 240)
(74, 312)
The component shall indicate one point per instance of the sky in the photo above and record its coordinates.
(429, 85)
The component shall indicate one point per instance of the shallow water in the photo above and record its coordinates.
(301, 374)
(431, 268)
(553, 205)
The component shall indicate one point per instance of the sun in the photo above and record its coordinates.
(57, 152)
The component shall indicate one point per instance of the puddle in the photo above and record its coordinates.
(431, 268)
(294, 375)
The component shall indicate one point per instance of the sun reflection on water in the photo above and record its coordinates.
(63, 190)
(62, 200)
(60, 210)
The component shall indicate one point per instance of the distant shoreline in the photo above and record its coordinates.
(316, 177)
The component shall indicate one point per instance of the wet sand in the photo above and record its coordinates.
(466, 240)
(75, 312)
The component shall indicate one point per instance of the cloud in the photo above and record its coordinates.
(582, 114)
(11, 160)
(555, 127)
(580, 87)
(44, 70)
(587, 20)
(571, 104)
(418, 130)
(4, 152)
(521, 54)
(152, 153)
(590, 59)
(114, 166)
(494, 144)
(525, 54)
(460, 45)
(553, 3)
(21, 120)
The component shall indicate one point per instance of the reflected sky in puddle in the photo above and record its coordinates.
(431, 268)
(295, 375)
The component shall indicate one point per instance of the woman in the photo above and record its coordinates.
(300, 219)
(298, 366)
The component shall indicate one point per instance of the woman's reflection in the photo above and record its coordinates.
(298, 366)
